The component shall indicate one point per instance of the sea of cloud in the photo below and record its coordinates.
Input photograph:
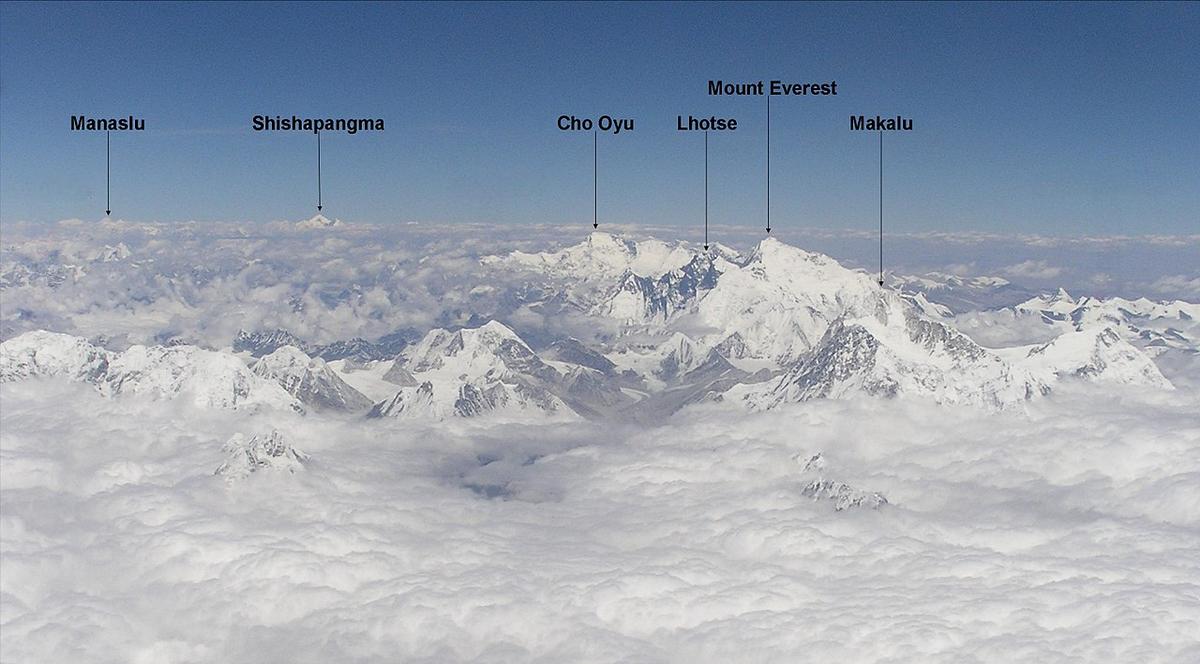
(1065, 532)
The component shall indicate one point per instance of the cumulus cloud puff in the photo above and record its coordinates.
(1178, 283)
(1032, 269)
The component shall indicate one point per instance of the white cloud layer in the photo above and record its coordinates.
(1067, 533)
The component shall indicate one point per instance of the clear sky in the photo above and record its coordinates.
(1041, 118)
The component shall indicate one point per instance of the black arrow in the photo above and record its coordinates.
(107, 173)
(768, 164)
(881, 207)
(706, 191)
(318, 171)
(595, 181)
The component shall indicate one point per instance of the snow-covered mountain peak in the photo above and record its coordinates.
(1060, 302)
(1098, 354)
(773, 249)
(318, 221)
(603, 255)
(261, 453)
(490, 334)
(474, 352)
(896, 356)
(112, 254)
(42, 353)
(601, 242)
(470, 372)
(779, 302)
(287, 359)
(310, 380)
(799, 269)
(211, 379)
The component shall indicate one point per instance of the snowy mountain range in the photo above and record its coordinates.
(673, 325)
(1153, 325)
(209, 379)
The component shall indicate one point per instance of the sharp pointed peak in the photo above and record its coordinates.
(770, 245)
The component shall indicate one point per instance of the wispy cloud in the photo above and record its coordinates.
(1031, 269)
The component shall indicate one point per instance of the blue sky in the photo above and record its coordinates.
(1054, 119)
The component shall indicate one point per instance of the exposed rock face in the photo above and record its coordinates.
(842, 495)
(573, 351)
(356, 350)
(472, 372)
(267, 453)
(898, 353)
(265, 343)
(310, 380)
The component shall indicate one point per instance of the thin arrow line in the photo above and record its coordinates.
(881, 207)
(107, 173)
(706, 191)
(595, 180)
(318, 171)
(768, 163)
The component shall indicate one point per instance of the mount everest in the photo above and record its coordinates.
(672, 326)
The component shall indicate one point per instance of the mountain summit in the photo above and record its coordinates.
(317, 222)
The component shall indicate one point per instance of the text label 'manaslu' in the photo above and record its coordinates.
(129, 123)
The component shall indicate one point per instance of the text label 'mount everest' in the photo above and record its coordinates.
(776, 88)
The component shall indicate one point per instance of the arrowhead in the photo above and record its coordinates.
(881, 282)
(595, 225)
(318, 208)
(768, 230)
(107, 213)
(706, 247)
